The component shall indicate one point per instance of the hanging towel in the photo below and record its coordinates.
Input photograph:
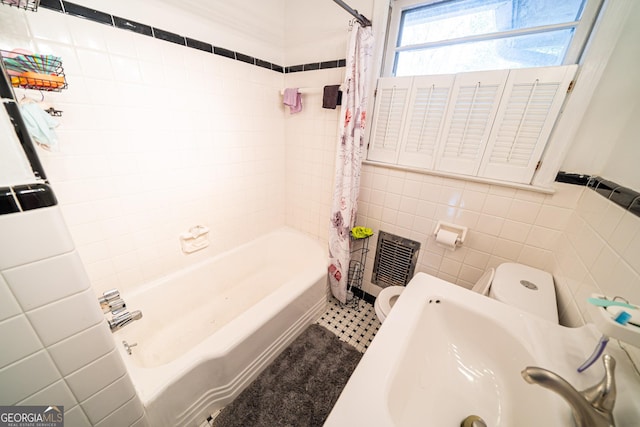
(331, 97)
(40, 125)
(293, 99)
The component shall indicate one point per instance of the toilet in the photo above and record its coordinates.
(518, 285)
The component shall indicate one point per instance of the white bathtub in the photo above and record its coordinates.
(207, 331)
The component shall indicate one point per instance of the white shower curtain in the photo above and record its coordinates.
(349, 157)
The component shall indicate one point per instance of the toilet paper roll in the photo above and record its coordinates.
(446, 239)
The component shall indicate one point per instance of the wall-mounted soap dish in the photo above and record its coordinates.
(195, 239)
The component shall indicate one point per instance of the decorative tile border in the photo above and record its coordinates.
(20, 198)
(73, 9)
(624, 197)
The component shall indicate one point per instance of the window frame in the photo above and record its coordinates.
(574, 52)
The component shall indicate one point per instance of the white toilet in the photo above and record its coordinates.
(515, 284)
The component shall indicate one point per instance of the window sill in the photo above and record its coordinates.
(528, 187)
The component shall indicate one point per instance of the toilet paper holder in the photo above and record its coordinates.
(460, 230)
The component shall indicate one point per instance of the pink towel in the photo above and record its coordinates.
(293, 99)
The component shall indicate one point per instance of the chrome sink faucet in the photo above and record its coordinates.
(592, 407)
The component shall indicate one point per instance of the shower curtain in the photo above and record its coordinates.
(349, 157)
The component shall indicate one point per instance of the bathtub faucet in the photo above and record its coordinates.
(121, 320)
(592, 407)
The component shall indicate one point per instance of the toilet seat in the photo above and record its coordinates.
(385, 301)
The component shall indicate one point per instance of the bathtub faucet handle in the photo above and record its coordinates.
(106, 299)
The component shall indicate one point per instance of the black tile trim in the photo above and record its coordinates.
(624, 197)
(136, 27)
(52, 4)
(73, 9)
(329, 64)
(224, 52)
(35, 196)
(635, 207)
(294, 69)
(245, 58)
(169, 36)
(572, 178)
(25, 139)
(263, 64)
(197, 44)
(85, 12)
(27, 197)
(6, 90)
(8, 203)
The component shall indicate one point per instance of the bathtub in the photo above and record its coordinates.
(207, 331)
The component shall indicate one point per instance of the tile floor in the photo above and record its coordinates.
(355, 325)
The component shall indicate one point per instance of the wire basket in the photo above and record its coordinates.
(34, 71)
(22, 4)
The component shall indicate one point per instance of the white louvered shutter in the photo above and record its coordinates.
(473, 105)
(389, 113)
(530, 105)
(425, 118)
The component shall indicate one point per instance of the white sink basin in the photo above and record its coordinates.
(445, 353)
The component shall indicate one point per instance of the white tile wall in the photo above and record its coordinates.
(505, 224)
(57, 348)
(311, 138)
(598, 254)
(155, 138)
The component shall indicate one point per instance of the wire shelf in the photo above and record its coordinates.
(358, 260)
(22, 4)
(34, 71)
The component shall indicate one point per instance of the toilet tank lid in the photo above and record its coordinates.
(527, 288)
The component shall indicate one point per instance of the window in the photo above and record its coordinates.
(474, 87)
(488, 124)
(454, 36)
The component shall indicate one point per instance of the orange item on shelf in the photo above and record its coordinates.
(42, 80)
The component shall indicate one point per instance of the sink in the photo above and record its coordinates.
(445, 353)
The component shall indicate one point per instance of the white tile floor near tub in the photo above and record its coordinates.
(357, 326)
(354, 325)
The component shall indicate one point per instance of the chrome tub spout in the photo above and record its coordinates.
(122, 320)
(592, 407)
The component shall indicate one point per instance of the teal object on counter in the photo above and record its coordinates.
(601, 302)
(361, 232)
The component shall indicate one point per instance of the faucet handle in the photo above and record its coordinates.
(602, 395)
(107, 297)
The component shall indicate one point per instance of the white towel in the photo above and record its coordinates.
(40, 125)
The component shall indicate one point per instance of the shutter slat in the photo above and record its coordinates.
(389, 115)
(474, 101)
(531, 102)
(425, 118)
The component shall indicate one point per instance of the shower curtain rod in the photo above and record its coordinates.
(359, 17)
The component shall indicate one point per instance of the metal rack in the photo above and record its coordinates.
(34, 71)
(22, 4)
(357, 262)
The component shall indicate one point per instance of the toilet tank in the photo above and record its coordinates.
(527, 288)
